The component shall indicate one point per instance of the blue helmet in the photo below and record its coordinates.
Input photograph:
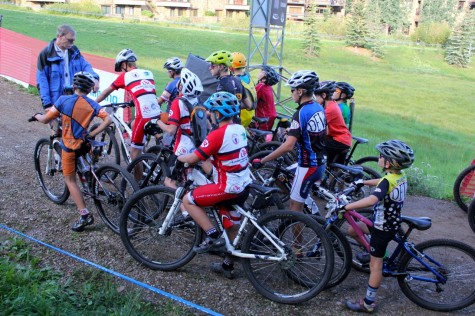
(223, 102)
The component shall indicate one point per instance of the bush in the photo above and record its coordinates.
(85, 8)
(432, 33)
(210, 13)
(333, 26)
(147, 13)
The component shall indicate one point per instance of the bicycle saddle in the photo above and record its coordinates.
(266, 191)
(260, 120)
(419, 223)
(360, 140)
(356, 171)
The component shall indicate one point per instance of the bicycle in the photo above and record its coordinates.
(471, 215)
(436, 274)
(281, 268)
(464, 187)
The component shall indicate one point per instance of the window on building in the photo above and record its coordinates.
(131, 10)
(460, 5)
(119, 10)
(106, 9)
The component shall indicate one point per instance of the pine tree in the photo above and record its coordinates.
(439, 11)
(312, 44)
(454, 49)
(373, 17)
(394, 14)
(461, 44)
(357, 28)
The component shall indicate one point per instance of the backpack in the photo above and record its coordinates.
(198, 121)
(247, 115)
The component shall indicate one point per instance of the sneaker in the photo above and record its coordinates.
(210, 244)
(83, 222)
(217, 267)
(363, 257)
(360, 306)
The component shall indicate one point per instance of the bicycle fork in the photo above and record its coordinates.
(179, 194)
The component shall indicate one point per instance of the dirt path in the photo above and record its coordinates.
(24, 207)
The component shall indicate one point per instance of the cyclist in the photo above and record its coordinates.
(387, 199)
(343, 92)
(307, 131)
(266, 78)
(141, 86)
(238, 69)
(226, 149)
(77, 111)
(338, 139)
(220, 62)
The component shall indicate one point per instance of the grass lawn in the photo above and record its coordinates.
(410, 95)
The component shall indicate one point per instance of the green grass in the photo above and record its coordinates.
(411, 94)
(28, 288)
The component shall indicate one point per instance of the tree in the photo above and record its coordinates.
(357, 28)
(461, 44)
(311, 42)
(394, 14)
(439, 11)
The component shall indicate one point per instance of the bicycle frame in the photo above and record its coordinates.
(121, 126)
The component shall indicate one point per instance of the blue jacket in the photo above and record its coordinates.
(50, 72)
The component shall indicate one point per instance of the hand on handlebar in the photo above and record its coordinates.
(358, 184)
(33, 118)
(256, 163)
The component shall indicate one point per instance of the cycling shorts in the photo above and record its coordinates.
(379, 242)
(68, 160)
(304, 180)
(212, 195)
(138, 135)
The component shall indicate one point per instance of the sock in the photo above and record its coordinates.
(84, 212)
(213, 233)
(370, 295)
(228, 264)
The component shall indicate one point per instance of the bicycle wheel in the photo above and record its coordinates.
(109, 152)
(454, 260)
(289, 157)
(342, 180)
(140, 221)
(115, 186)
(145, 161)
(50, 175)
(304, 273)
(464, 187)
(370, 162)
(471, 215)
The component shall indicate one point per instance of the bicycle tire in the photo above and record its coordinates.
(158, 174)
(471, 215)
(115, 186)
(298, 278)
(53, 184)
(289, 157)
(465, 196)
(343, 180)
(140, 221)
(110, 152)
(454, 260)
(370, 162)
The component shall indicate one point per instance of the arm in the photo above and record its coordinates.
(246, 104)
(104, 94)
(286, 147)
(164, 97)
(42, 79)
(365, 202)
(48, 116)
(106, 121)
(191, 159)
(167, 128)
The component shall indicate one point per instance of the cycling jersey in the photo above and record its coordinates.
(173, 90)
(309, 127)
(265, 105)
(180, 117)
(232, 85)
(346, 112)
(227, 148)
(391, 192)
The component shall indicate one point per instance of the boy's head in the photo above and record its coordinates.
(125, 58)
(223, 105)
(173, 65)
(83, 81)
(189, 85)
(219, 62)
(344, 91)
(268, 76)
(239, 62)
(395, 153)
(325, 90)
(303, 83)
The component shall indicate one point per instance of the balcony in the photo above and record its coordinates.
(47, 1)
(237, 5)
(174, 4)
(133, 3)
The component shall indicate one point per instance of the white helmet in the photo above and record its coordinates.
(173, 63)
(125, 55)
(190, 83)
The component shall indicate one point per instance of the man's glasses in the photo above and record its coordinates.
(212, 66)
(70, 40)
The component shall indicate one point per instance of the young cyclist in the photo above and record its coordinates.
(307, 131)
(141, 86)
(220, 62)
(338, 139)
(77, 111)
(343, 92)
(226, 149)
(266, 78)
(387, 199)
(238, 69)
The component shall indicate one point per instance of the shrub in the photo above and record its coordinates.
(147, 13)
(85, 8)
(210, 13)
(432, 33)
(333, 26)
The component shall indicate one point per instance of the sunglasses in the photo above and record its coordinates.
(70, 40)
(212, 66)
(381, 156)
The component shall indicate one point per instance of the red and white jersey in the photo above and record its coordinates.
(227, 149)
(180, 117)
(141, 86)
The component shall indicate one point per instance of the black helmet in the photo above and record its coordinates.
(305, 79)
(124, 55)
(83, 81)
(327, 87)
(398, 153)
(346, 88)
(272, 77)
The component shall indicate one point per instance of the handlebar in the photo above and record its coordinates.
(119, 105)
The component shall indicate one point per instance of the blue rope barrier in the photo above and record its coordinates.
(129, 279)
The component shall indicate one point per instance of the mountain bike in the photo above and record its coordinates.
(471, 215)
(436, 274)
(464, 187)
(281, 268)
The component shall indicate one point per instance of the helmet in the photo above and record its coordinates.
(125, 55)
(346, 88)
(224, 102)
(173, 63)
(83, 80)
(272, 77)
(221, 57)
(327, 87)
(190, 83)
(239, 60)
(399, 154)
(305, 79)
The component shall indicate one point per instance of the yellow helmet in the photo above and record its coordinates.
(221, 57)
(239, 60)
